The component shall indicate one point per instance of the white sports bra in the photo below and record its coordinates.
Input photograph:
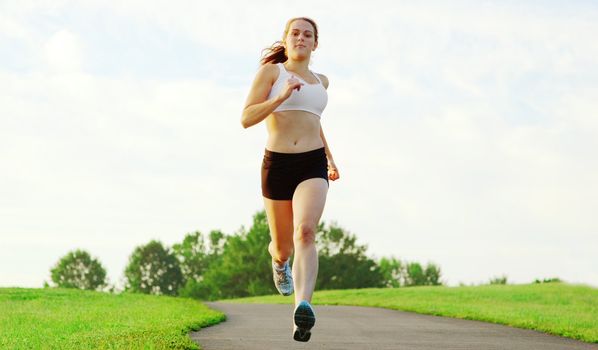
(311, 98)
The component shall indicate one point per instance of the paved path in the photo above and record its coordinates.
(267, 326)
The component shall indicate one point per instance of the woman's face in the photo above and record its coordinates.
(300, 40)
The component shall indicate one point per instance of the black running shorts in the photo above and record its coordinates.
(283, 172)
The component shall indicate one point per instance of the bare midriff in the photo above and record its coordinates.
(293, 132)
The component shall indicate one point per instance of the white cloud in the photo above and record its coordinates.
(62, 52)
(462, 133)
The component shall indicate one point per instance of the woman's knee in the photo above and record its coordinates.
(305, 233)
(281, 252)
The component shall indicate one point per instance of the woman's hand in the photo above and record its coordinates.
(292, 84)
(332, 171)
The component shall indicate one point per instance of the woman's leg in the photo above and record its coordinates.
(280, 221)
(308, 205)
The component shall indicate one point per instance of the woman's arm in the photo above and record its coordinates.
(257, 107)
(332, 169)
(326, 148)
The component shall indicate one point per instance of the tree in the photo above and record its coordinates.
(498, 280)
(244, 267)
(342, 262)
(392, 272)
(153, 269)
(398, 274)
(78, 269)
(432, 273)
(240, 265)
(195, 258)
(416, 275)
(548, 280)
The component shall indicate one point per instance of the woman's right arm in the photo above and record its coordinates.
(257, 106)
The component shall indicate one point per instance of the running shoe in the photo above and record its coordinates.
(304, 321)
(283, 278)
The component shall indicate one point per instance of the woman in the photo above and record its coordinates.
(297, 161)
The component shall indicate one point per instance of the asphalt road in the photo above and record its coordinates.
(267, 326)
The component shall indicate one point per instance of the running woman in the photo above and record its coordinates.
(297, 161)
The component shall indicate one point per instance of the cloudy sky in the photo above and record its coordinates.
(465, 132)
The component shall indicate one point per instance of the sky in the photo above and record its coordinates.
(465, 132)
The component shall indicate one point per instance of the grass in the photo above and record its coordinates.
(555, 308)
(53, 318)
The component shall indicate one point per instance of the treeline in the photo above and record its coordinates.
(219, 266)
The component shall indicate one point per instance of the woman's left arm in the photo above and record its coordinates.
(332, 169)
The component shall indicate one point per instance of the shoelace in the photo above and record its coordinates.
(282, 274)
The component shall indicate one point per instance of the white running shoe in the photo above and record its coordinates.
(283, 278)
(305, 319)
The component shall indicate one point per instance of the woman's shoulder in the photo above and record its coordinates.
(324, 79)
(269, 71)
(269, 67)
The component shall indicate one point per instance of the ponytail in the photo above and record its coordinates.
(275, 54)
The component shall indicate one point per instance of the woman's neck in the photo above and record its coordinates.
(297, 66)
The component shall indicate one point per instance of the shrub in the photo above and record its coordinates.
(78, 269)
(499, 280)
(153, 269)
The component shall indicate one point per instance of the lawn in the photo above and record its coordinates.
(556, 308)
(53, 318)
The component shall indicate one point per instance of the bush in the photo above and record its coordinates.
(78, 269)
(432, 273)
(244, 266)
(342, 262)
(392, 272)
(499, 280)
(153, 269)
(195, 256)
(243, 269)
(549, 280)
(405, 274)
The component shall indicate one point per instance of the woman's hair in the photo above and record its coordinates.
(276, 52)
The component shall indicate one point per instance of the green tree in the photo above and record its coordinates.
(415, 275)
(78, 269)
(342, 262)
(243, 268)
(548, 280)
(195, 256)
(153, 269)
(392, 272)
(498, 280)
(432, 273)
(240, 265)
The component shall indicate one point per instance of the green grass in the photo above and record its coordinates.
(52, 318)
(555, 308)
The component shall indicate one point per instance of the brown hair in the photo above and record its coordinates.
(276, 53)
